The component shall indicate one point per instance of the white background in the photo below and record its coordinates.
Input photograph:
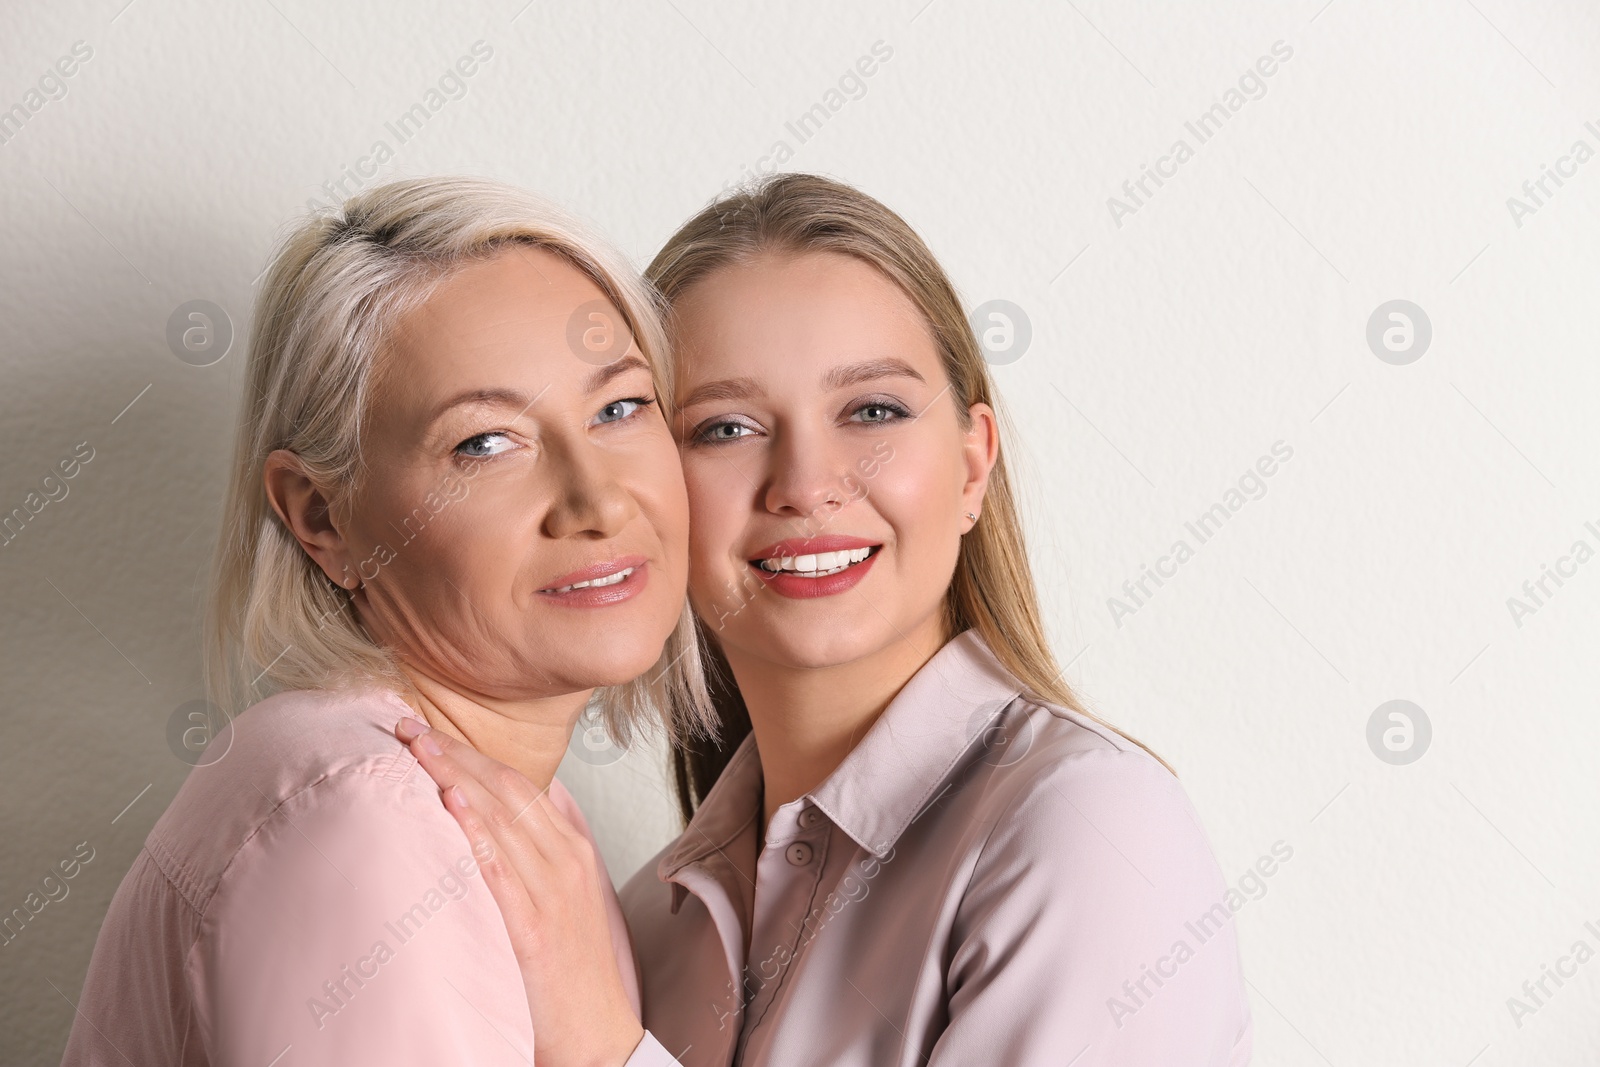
(1168, 353)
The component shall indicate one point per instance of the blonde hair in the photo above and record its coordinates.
(992, 590)
(337, 285)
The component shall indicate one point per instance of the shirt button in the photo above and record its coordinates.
(798, 853)
(810, 817)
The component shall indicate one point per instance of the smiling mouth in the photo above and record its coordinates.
(594, 583)
(816, 564)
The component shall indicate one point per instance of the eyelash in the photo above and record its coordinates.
(899, 411)
(477, 436)
(702, 436)
(644, 402)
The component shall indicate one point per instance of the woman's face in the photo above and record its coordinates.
(506, 468)
(829, 469)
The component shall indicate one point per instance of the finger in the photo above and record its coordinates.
(573, 864)
(532, 846)
(443, 770)
(511, 894)
(541, 825)
(552, 856)
(552, 814)
(537, 865)
(502, 794)
(451, 762)
(477, 773)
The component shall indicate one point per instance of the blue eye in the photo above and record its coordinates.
(479, 446)
(618, 410)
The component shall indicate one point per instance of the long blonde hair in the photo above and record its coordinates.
(338, 283)
(992, 590)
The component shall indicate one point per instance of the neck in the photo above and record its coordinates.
(806, 720)
(529, 735)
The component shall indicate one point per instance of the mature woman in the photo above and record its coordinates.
(910, 843)
(454, 498)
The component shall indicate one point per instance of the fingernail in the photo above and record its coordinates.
(459, 796)
(409, 727)
(429, 745)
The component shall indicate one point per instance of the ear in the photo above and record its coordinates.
(981, 448)
(304, 508)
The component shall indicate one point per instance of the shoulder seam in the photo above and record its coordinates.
(348, 774)
(1109, 734)
(178, 885)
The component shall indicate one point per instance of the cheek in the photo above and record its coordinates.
(461, 529)
(919, 496)
(716, 509)
(655, 479)
(718, 514)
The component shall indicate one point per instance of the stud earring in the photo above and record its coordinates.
(971, 517)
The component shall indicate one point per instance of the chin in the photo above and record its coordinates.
(842, 641)
(618, 666)
(579, 662)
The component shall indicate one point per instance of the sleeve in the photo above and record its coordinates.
(1096, 930)
(135, 1003)
(650, 1053)
(354, 928)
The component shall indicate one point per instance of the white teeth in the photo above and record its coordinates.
(610, 579)
(818, 564)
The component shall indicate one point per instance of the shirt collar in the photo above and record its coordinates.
(732, 804)
(917, 744)
(902, 763)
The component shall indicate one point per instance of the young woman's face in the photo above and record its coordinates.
(829, 469)
(505, 468)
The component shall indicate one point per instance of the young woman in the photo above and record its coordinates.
(910, 844)
(446, 503)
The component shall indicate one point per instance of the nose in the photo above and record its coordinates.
(589, 501)
(805, 477)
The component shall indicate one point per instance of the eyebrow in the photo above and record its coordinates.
(615, 368)
(505, 398)
(869, 370)
(836, 378)
(722, 389)
(513, 398)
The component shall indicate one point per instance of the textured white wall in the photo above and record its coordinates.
(1176, 339)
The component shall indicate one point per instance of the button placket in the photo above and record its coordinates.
(785, 896)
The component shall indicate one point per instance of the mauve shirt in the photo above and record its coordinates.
(982, 880)
(307, 900)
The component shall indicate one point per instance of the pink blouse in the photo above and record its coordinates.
(307, 900)
(982, 880)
